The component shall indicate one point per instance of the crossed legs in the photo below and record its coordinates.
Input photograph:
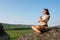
(35, 28)
(38, 28)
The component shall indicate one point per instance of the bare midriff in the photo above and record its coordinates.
(43, 23)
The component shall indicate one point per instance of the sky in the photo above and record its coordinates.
(28, 11)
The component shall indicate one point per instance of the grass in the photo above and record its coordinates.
(14, 34)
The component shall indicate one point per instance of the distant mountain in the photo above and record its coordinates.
(58, 26)
(19, 26)
(15, 26)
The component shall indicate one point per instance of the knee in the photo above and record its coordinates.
(32, 27)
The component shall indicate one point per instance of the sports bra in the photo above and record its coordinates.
(44, 17)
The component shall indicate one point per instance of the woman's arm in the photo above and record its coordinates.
(40, 19)
(43, 20)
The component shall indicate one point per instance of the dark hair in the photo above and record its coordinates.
(47, 11)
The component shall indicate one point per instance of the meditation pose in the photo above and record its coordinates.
(43, 20)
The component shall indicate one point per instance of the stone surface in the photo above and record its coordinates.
(3, 34)
(51, 34)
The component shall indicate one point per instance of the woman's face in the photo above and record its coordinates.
(44, 11)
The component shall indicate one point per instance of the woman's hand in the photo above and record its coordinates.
(40, 19)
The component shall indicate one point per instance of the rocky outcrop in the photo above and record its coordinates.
(51, 34)
(3, 34)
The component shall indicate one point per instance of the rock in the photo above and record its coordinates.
(50, 34)
(3, 34)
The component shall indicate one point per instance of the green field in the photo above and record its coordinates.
(16, 30)
(14, 34)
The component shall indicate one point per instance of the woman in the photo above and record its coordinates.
(43, 20)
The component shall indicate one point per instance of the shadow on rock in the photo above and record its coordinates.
(3, 34)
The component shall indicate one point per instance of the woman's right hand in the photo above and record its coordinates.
(40, 19)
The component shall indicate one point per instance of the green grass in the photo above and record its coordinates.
(14, 34)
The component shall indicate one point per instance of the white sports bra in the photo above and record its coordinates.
(44, 17)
